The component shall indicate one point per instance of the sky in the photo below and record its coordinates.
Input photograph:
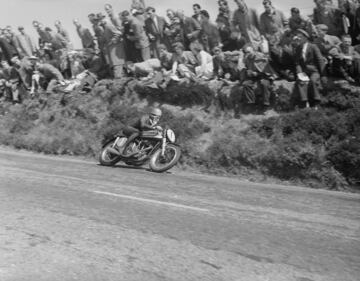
(22, 12)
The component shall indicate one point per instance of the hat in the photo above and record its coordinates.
(322, 27)
(303, 32)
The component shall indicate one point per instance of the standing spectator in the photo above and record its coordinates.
(356, 28)
(224, 13)
(197, 13)
(44, 36)
(244, 25)
(138, 9)
(114, 47)
(7, 49)
(272, 22)
(326, 13)
(87, 40)
(228, 43)
(139, 37)
(26, 47)
(99, 34)
(310, 67)
(258, 74)
(297, 21)
(115, 20)
(62, 31)
(155, 29)
(210, 36)
(191, 29)
(58, 42)
(174, 32)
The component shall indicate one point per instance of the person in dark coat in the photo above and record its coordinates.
(310, 68)
(155, 29)
(191, 29)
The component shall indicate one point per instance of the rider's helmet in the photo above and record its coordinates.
(155, 115)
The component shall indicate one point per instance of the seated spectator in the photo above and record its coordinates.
(166, 58)
(10, 82)
(184, 62)
(145, 69)
(258, 74)
(324, 41)
(226, 64)
(24, 69)
(49, 76)
(205, 68)
(347, 61)
(310, 68)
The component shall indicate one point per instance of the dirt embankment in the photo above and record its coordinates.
(320, 148)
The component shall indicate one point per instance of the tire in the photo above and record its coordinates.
(106, 158)
(154, 165)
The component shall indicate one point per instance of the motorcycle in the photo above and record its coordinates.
(157, 147)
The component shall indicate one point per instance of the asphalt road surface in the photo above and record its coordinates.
(67, 219)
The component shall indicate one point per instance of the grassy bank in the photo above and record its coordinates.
(319, 149)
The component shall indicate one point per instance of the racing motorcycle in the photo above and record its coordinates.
(157, 147)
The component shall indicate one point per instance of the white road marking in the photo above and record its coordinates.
(169, 204)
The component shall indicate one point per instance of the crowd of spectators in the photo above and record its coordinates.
(239, 46)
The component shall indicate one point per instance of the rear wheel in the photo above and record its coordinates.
(106, 158)
(159, 163)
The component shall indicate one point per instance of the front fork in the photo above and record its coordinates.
(163, 144)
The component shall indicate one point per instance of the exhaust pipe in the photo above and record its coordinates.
(113, 151)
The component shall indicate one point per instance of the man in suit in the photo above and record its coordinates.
(139, 36)
(197, 13)
(310, 67)
(155, 27)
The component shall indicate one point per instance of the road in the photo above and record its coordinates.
(65, 219)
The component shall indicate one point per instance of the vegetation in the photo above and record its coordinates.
(319, 149)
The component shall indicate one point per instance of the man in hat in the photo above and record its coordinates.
(324, 41)
(272, 22)
(26, 47)
(310, 67)
(87, 40)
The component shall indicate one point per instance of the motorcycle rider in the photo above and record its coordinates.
(145, 123)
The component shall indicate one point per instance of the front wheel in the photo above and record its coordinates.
(106, 158)
(159, 163)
